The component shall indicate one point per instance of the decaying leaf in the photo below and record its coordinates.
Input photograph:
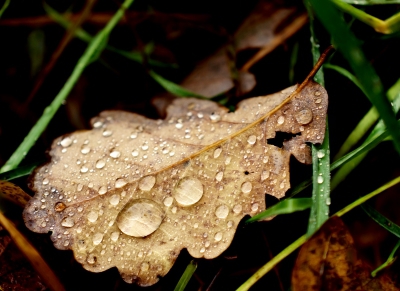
(328, 261)
(132, 192)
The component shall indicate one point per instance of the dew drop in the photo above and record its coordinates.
(91, 259)
(254, 207)
(304, 116)
(98, 124)
(168, 201)
(68, 222)
(188, 191)
(147, 183)
(237, 208)
(103, 190)
(135, 153)
(252, 139)
(79, 187)
(121, 182)
(97, 238)
(66, 142)
(319, 100)
(114, 199)
(246, 187)
(133, 135)
(196, 225)
(214, 117)
(228, 160)
(218, 236)
(264, 175)
(179, 125)
(107, 133)
(85, 149)
(145, 147)
(222, 211)
(281, 119)
(328, 201)
(317, 93)
(229, 224)
(219, 176)
(100, 164)
(320, 154)
(114, 236)
(84, 169)
(217, 152)
(92, 216)
(59, 206)
(202, 250)
(320, 179)
(140, 218)
(144, 267)
(45, 181)
(174, 209)
(115, 154)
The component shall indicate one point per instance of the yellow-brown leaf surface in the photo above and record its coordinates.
(132, 192)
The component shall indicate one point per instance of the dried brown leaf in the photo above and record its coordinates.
(13, 193)
(329, 261)
(132, 192)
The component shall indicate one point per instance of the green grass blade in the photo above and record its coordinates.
(349, 46)
(390, 226)
(49, 112)
(19, 172)
(283, 207)
(184, 280)
(390, 260)
(293, 60)
(4, 7)
(372, 2)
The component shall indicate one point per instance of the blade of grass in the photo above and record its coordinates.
(41, 267)
(283, 207)
(390, 260)
(19, 172)
(371, 2)
(390, 226)
(49, 112)
(297, 243)
(4, 7)
(187, 274)
(349, 46)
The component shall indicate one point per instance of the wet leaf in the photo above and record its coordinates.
(132, 192)
(329, 261)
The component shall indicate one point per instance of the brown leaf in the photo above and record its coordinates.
(328, 261)
(133, 192)
(13, 193)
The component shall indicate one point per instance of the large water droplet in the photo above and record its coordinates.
(320, 179)
(115, 154)
(121, 182)
(68, 222)
(222, 211)
(59, 206)
(179, 125)
(85, 149)
(188, 191)
(219, 176)
(100, 164)
(114, 199)
(252, 139)
(140, 217)
(92, 216)
(135, 153)
(107, 133)
(97, 238)
(84, 169)
(103, 190)
(321, 154)
(147, 183)
(246, 187)
(218, 236)
(217, 152)
(66, 142)
(304, 116)
(281, 119)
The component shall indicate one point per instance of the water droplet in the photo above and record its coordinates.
(140, 217)
(218, 236)
(168, 201)
(246, 187)
(45, 181)
(147, 183)
(252, 139)
(304, 116)
(133, 135)
(319, 100)
(79, 187)
(114, 236)
(320, 179)
(98, 124)
(68, 222)
(92, 216)
(264, 175)
(254, 207)
(91, 259)
(217, 152)
(317, 93)
(100, 164)
(107, 133)
(115, 154)
(135, 153)
(282, 185)
(121, 182)
(179, 125)
(59, 206)
(222, 211)
(188, 191)
(145, 147)
(281, 119)
(228, 160)
(85, 149)
(219, 176)
(229, 224)
(202, 250)
(174, 209)
(321, 154)
(114, 199)
(144, 267)
(103, 190)
(97, 238)
(84, 169)
(66, 142)
(328, 201)
(214, 117)
(237, 208)
(196, 225)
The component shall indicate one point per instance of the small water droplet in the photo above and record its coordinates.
(222, 211)
(217, 152)
(59, 206)
(281, 119)
(304, 116)
(100, 164)
(107, 133)
(319, 100)
(252, 139)
(92, 216)
(45, 181)
(246, 187)
(188, 191)
(214, 117)
(254, 207)
(144, 267)
(98, 124)
(229, 224)
(66, 142)
(328, 201)
(237, 208)
(97, 238)
(264, 175)
(179, 125)
(218, 236)
(174, 209)
(84, 169)
(228, 160)
(135, 153)
(91, 259)
(79, 187)
(219, 176)
(202, 250)
(68, 222)
(115, 154)
(317, 93)
(103, 190)
(133, 135)
(147, 183)
(140, 218)
(321, 154)
(168, 201)
(121, 182)
(114, 236)
(320, 179)
(85, 149)
(145, 147)
(114, 199)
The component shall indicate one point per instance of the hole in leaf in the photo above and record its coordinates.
(280, 137)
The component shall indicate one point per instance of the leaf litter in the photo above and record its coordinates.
(133, 192)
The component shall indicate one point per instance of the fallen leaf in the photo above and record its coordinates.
(329, 261)
(133, 192)
(13, 193)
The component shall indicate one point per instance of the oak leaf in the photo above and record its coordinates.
(132, 192)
